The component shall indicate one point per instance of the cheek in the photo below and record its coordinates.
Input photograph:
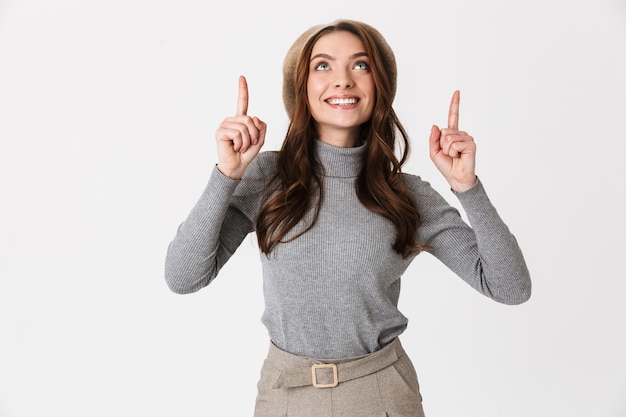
(369, 87)
(313, 88)
(371, 93)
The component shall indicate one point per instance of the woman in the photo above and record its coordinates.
(338, 223)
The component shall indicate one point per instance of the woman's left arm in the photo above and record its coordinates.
(486, 254)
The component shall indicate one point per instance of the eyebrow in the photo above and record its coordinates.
(326, 56)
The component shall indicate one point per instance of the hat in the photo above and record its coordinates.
(293, 54)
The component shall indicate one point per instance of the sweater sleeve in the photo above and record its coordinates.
(486, 254)
(207, 238)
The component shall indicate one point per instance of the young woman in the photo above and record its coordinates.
(338, 223)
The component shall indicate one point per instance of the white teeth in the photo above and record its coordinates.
(342, 101)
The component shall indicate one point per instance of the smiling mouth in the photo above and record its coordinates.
(342, 101)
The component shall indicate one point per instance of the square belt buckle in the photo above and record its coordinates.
(332, 366)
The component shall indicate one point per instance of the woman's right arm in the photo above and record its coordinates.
(215, 227)
(207, 238)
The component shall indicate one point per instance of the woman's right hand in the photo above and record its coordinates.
(239, 138)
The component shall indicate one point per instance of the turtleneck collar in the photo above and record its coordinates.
(340, 162)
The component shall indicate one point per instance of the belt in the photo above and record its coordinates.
(332, 374)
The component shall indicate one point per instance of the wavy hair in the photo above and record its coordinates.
(379, 186)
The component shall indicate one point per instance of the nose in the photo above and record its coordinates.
(344, 79)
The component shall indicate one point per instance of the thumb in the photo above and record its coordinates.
(434, 143)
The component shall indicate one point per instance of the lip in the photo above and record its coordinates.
(342, 101)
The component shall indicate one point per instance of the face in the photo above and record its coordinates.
(340, 88)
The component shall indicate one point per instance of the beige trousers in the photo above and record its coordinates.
(382, 384)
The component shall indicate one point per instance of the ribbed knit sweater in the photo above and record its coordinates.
(333, 292)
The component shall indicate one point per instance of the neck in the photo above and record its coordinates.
(341, 138)
(340, 161)
(340, 143)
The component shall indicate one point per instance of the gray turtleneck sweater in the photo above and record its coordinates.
(333, 292)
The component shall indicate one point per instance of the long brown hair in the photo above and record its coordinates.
(379, 186)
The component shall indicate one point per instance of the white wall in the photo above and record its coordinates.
(107, 115)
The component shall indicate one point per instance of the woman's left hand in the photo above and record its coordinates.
(453, 151)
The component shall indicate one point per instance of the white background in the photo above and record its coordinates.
(107, 116)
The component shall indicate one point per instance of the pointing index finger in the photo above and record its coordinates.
(242, 100)
(453, 114)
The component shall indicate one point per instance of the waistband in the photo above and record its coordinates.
(300, 371)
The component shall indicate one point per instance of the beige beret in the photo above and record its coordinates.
(291, 60)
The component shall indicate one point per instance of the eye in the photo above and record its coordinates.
(321, 66)
(362, 65)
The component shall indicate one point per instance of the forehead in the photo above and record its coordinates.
(336, 42)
